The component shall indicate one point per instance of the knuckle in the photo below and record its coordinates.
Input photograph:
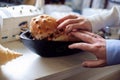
(72, 16)
(69, 21)
(70, 26)
(97, 46)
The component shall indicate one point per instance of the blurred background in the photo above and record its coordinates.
(75, 4)
(55, 8)
(15, 16)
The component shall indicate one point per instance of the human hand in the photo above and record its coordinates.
(72, 22)
(92, 43)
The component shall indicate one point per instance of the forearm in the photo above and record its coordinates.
(113, 52)
(107, 18)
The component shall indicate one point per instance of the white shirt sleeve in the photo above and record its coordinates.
(107, 18)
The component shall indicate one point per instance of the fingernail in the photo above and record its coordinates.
(84, 64)
(59, 26)
(70, 46)
(68, 29)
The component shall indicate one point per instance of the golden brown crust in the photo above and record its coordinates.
(6, 55)
(45, 27)
(42, 26)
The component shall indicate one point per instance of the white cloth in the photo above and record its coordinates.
(107, 18)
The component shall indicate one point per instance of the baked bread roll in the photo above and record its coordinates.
(42, 26)
(6, 55)
(45, 27)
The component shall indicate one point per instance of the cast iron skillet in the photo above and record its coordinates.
(46, 48)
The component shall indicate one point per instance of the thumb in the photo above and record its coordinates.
(94, 63)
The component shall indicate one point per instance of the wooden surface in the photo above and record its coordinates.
(102, 73)
(31, 66)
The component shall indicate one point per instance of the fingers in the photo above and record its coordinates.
(94, 63)
(74, 22)
(68, 22)
(70, 27)
(67, 17)
(83, 36)
(82, 46)
(92, 34)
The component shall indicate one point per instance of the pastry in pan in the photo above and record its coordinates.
(7, 55)
(44, 27)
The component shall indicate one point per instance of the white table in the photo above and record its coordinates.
(31, 66)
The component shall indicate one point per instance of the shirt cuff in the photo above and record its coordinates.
(113, 52)
(105, 18)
